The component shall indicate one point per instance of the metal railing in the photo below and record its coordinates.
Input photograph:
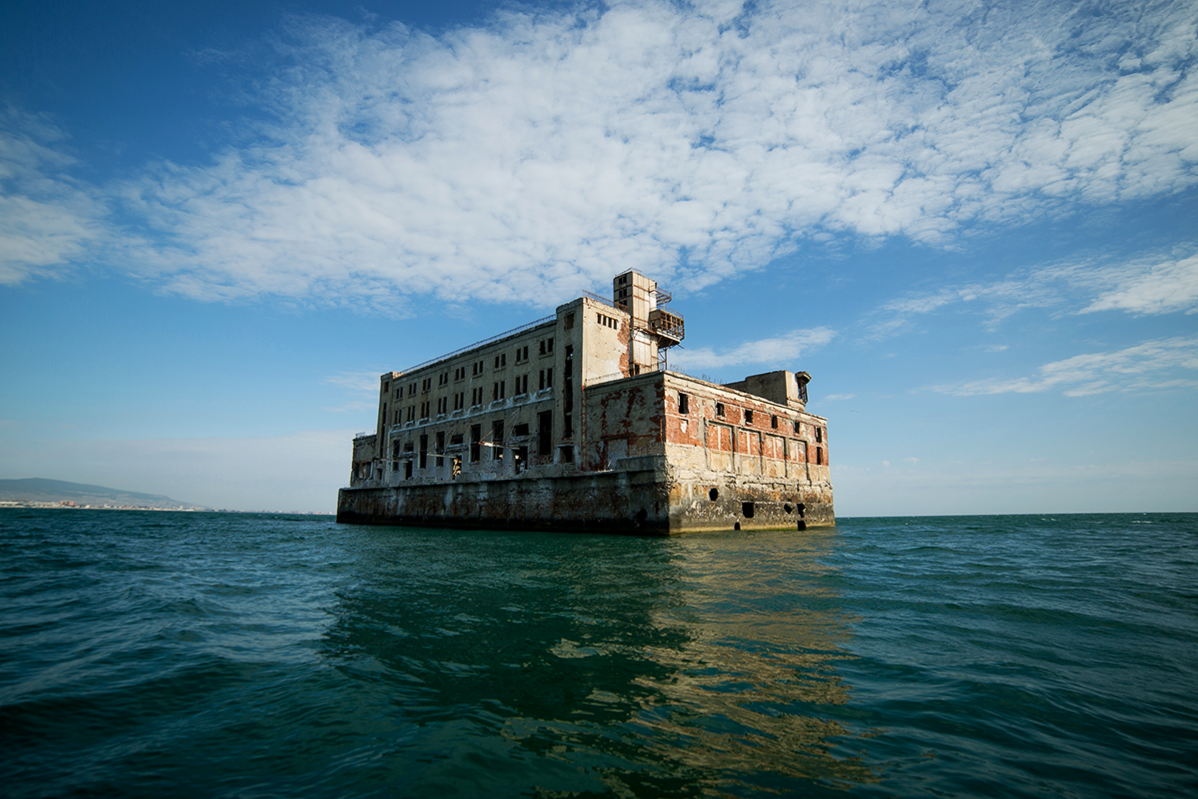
(483, 343)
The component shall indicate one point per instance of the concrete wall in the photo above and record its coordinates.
(631, 500)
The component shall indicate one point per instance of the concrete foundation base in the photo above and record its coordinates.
(638, 501)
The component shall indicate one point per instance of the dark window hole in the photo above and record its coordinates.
(746, 508)
(713, 494)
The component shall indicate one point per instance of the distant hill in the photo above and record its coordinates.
(38, 489)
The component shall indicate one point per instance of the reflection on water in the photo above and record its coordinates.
(651, 666)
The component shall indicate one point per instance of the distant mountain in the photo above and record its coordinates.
(38, 489)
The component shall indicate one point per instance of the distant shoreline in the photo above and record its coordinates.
(73, 506)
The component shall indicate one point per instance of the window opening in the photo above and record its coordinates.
(545, 433)
(684, 403)
(497, 441)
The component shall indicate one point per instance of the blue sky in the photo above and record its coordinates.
(974, 224)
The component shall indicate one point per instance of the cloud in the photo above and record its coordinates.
(782, 349)
(1151, 284)
(1157, 364)
(357, 382)
(1151, 288)
(525, 157)
(47, 219)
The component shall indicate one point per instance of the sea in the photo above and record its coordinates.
(259, 655)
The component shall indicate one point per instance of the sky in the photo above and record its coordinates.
(975, 225)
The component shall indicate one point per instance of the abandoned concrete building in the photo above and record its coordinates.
(573, 422)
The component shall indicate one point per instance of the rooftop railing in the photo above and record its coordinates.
(477, 344)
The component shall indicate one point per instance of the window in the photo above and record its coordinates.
(748, 417)
(497, 441)
(440, 449)
(545, 379)
(568, 395)
(476, 431)
(774, 422)
(798, 428)
(546, 346)
(424, 451)
(412, 390)
(569, 321)
(520, 430)
(426, 385)
(387, 387)
(443, 405)
(443, 379)
(684, 403)
(521, 354)
(567, 453)
(498, 391)
(545, 433)
(407, 470)
(501, 360)
(521, 386)
(607, 321)
(819, 456)
(719, 409)
(819, 434)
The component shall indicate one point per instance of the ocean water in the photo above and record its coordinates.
(240, 655)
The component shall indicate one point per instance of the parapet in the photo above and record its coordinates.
(782, 387)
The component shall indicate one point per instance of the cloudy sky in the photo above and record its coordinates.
(975, 224)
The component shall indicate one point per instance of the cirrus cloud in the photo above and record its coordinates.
(528, 156)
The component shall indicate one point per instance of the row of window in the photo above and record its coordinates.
(544, 346)
(749, 416)
(607, 321)
(477, 397)
(407, 457)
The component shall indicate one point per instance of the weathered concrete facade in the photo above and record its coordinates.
(573, 423)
